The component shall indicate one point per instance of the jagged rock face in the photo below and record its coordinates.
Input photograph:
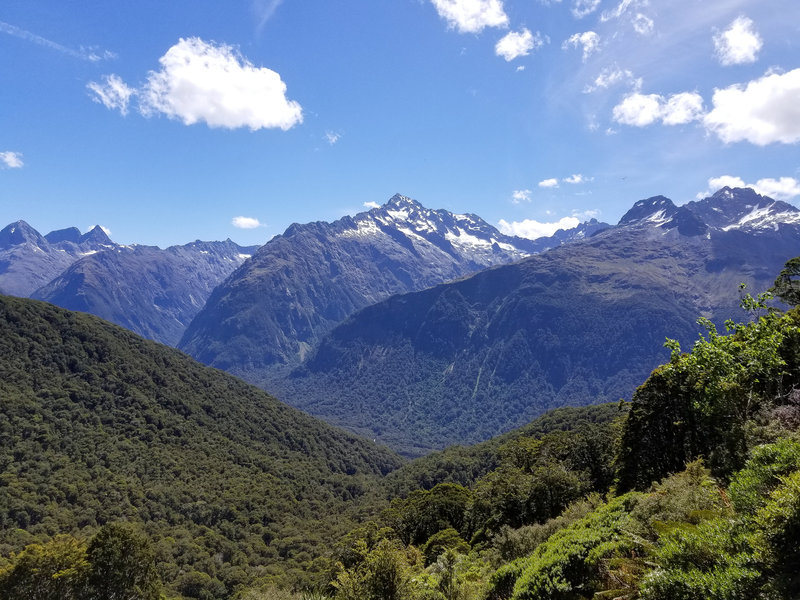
(580, 324)
(299, 285)
(29, 260)
(150, 291)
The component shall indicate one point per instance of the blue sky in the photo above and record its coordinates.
(170, 121)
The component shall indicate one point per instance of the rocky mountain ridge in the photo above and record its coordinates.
(579, 324)
(299, 285)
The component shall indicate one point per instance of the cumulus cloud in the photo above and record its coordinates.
(371, 205)
(738, 44)
(641, 110)
(206, 82)
(549, 183)
(520, 196)
(583, 8)
(11, 160)
(532, 229)
(577, 178)
(113, 93)
(245, 222)
(471, 16)
(515, 44)
(764, 111)
(784, 188)
(638, 110)
(588, 40)
(608, 77)
(682, 108)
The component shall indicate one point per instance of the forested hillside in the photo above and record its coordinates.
(98, 426)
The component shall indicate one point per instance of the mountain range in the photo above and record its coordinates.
(298, 286)
(150, 291)
(29, 260)
(579, 324)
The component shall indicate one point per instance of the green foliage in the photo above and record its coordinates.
(117, 564)
(687, 497)
(706, 402)
(446, 539)
(750, 488)
(787, 284)
(424, 513)
(568, 564)
(122, 564)
(779, 524)
(98, 425)
(55, 570)
(713, 561)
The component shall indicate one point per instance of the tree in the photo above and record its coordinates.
(787, 286)
(55, 570)
(122, 565)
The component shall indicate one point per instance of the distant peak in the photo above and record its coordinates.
(649, 209)
(19, 233)
(398, 200)
(70, 234)
(660, 211)
(97, 235)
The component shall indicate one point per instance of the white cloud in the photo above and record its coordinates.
(785, 188)
(12, 160)
(765, 111)
(515, 44)
(206, 82)
(641, 110)
(245, 222)
(738, 44)
(114, 94)
(549, 183)
(202, 81)
(638, 110)
(642, 24)
(583, 8)
(471, 16)
(588, 40)
(371, 205)
(532, 229)
(332, 137)
(577, 178)
(519, 196)
(608, 77)
(682, 108)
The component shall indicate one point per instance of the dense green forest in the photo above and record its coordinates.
(691, 490)
(229, 485)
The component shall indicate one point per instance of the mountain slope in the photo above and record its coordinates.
(579, 324)
(29, 260)
(100, 425)
(299, 285)
(150, 291)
